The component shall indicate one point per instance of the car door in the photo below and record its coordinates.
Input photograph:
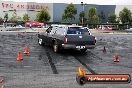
(51, 35)
(59, 35)
(47, 38)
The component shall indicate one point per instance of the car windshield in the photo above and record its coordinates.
(77, 30)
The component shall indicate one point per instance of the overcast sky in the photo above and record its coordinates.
(101, 2)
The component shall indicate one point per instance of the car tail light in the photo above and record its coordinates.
(65, 39)
(94, 42)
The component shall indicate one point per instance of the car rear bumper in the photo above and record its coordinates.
(69, 46)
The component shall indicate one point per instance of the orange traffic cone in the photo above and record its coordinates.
(116, 58)
(104, 50)
(19, 57)
(81, 71)
(26, 51)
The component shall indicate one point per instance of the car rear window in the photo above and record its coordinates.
(77, 30)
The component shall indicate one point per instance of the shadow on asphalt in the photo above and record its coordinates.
(67, 51)
(86, 57)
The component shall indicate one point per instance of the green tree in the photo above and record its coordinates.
(1, 20)
(101, 16)
(125, 15)
(95, 19)
(69, 13)
(91, 12)
(14, 19)
(82, 16)
(112, 18)
(43, 16)
(6, 17)
(92, 17)
(26, 17)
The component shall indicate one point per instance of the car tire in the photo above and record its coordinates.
(81, 80)
(55, 47)
(83, 50)
(40, 41)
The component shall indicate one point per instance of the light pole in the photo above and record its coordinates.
(82, 19)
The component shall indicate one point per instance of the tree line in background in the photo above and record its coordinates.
(125, 16)
(41, 16)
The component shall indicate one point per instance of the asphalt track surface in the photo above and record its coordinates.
(43, 68)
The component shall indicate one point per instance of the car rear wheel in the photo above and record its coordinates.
(83, 50)
(40, 41)
(55, 47)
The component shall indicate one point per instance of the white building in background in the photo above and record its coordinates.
(20, 8)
